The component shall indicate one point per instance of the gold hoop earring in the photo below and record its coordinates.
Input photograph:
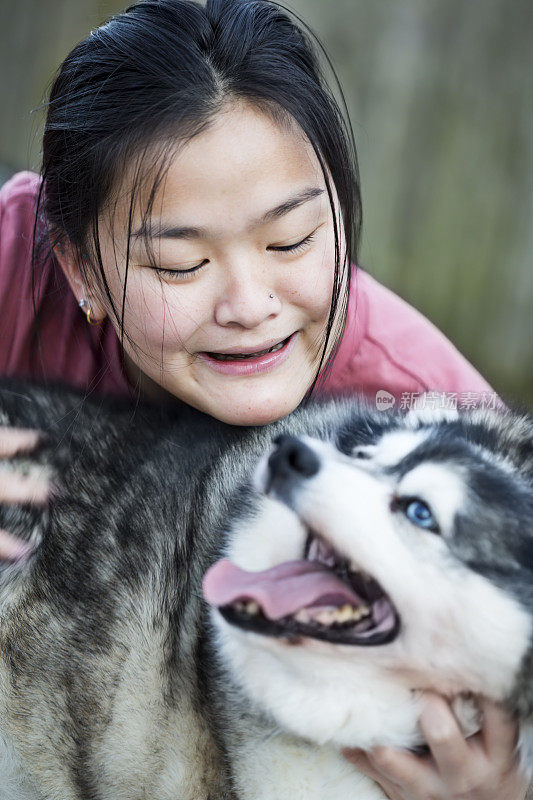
(92, 322)
(87, 309)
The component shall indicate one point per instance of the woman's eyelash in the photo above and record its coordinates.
(293, 248)
(171, 273)
(289, 248)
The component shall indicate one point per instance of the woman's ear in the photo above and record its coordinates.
(68, 258)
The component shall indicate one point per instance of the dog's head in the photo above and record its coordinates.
(378, 563)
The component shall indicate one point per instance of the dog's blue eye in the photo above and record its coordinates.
(420, 514)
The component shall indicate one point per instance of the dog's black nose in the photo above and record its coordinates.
(292, 458)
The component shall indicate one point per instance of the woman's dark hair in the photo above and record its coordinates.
(156, 75)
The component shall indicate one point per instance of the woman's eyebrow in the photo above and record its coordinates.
(293, 202)
(188, 232)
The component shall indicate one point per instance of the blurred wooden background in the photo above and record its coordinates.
(441, 99)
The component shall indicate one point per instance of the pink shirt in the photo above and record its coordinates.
(387, 345)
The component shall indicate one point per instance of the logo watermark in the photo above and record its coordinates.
(454, 401)
(384, 400)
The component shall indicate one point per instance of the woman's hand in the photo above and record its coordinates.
(481, 768)
(17, 488)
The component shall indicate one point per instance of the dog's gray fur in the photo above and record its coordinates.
(110, 682)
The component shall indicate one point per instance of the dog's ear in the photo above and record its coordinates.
(515, 441)
(361, 430)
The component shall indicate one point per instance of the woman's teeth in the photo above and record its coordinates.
(243, 356)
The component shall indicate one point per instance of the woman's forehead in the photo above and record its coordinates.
(243, 165)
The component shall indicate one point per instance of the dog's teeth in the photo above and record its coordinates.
(247, 607)
(303, 616)
(350, 614)
(325, 617)
(330, 616)
(345, 613)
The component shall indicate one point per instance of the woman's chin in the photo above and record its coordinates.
(251, 407)
(245, 401)
(251, 416)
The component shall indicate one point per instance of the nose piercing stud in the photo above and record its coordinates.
(271, 296)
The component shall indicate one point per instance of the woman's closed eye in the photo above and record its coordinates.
(296, 247)
(181, 272)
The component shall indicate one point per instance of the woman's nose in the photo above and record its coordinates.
(247, 303)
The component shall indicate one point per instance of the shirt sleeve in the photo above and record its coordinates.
(44, 336)
(17, 200)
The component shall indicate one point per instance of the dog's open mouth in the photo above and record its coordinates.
(320, 597)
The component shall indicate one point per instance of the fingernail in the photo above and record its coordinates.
(33, 442)
(434, 709)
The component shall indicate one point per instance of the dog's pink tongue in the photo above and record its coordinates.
(280, 591)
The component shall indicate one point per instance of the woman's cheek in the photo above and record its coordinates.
(311, 285)
(161, 313)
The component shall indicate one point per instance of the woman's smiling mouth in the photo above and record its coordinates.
(242, 362)
(233, 354)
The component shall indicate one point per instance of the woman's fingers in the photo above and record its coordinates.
(16, 488)
(19, 489)
(361, 760)
(449, 748)
(17, 440)
(499, 731)
(13, 549)
(482, 767)
(401, 775)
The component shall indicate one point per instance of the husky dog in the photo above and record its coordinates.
(357, 560)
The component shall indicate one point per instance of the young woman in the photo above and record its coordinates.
(199, 199)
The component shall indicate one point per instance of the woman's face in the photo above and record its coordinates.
(233, 318)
